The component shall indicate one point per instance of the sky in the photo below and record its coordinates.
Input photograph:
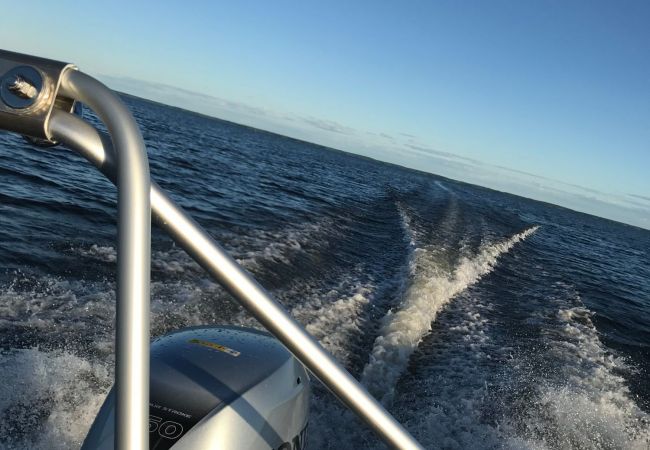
(545, 99)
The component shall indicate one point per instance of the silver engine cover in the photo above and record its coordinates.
(219, 388)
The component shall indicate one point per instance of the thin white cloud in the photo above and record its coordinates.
(328, 125)
(642, 197)
(424, 150)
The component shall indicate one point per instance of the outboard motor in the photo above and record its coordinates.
(218, 388)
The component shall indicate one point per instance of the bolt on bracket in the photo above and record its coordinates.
(29, 92)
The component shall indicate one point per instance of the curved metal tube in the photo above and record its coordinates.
(133, 257)
(80, 136)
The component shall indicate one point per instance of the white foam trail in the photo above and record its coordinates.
(334, 315)
(52, 305)
(590, 406)
(407, 225)
(277, 246)
(48, 399)
(172, 261)
(102, 253)
(431, 288)
(335, 324)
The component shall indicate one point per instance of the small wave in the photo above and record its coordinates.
(277, 245)
(172, 261)
(102, 253)
(431, 288)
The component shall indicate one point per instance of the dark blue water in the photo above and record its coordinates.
(481, 319)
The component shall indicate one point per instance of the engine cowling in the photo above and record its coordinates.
(218, 388)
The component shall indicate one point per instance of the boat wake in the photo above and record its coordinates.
(430, 290)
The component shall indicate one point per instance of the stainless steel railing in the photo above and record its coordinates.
(133, 257)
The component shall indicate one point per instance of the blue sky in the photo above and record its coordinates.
(545, 99)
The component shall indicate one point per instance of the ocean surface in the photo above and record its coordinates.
(482, 320)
